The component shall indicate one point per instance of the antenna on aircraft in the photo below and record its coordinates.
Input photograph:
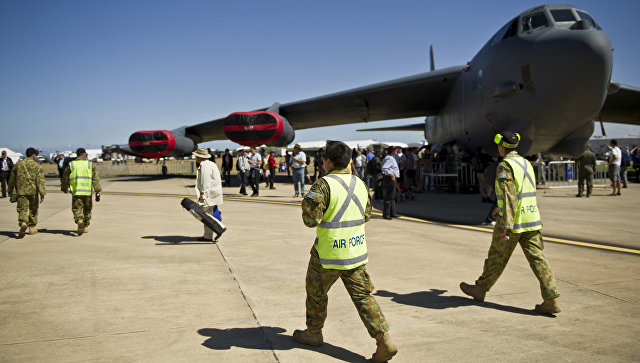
(433, 67)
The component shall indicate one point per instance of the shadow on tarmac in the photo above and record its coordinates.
(63, 232)
(9, 234)
(177, 240)
(268, 338)
(43, 230)
(433, 299)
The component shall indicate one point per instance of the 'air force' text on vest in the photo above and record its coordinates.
(341, 238)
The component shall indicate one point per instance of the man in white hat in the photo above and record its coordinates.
(208, 187)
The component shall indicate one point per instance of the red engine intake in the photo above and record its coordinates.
(152, 144)
(257, 128)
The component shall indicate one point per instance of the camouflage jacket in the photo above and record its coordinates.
(27, 178)
(316, 202)
(587, 161)
(507, 184)
(95, 181)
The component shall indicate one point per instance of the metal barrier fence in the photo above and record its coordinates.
(178, 167)
(555, 174)
(436, 175)
(564, 174)
(108, 169)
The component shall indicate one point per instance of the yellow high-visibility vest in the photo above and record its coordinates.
(340, 241)
(80, 177)
(527, 215)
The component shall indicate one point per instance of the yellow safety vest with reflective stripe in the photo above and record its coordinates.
(527, 217)
(340, 240)
(80, 177)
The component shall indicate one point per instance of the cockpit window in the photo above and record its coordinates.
(563, 17)
(534, 22)
(588, 18)
(512, 30)
(505, 32)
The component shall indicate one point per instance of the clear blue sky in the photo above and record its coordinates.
(87, 73)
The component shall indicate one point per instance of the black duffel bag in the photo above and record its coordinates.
(198, 213)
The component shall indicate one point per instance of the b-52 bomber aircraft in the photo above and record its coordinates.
(546, 74)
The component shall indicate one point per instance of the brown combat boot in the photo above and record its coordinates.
(32, 230)
(80, 227)
(473, 290)
(549, 306)
(386, 349)
(308, 337)
(23, 230)
(86, 229)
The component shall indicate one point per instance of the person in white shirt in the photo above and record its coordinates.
(615, 159)
(255, 161)
(61, 165)
(391, 174)
(208, 188)
(298, 163)
(359, 161)
(242, 166)
(6, 164)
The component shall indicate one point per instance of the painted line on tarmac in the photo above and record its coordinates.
(546, 238)
(235, 199)
(461, 226)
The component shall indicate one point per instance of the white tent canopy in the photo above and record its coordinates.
(14, 156)
(381, 145)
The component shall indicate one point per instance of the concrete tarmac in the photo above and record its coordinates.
(141, 287)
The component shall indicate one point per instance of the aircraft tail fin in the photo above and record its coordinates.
(433, 67)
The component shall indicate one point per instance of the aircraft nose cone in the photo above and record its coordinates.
(584, 54)
(575, 62)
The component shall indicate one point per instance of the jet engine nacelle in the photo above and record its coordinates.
(257, 128)
(160, 143)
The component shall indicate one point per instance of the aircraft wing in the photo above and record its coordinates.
(623, 106)
(412, 127)
(418, 95)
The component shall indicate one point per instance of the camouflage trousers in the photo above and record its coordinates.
(585, 175)
(500, 252)
(27, 207)
(358, 284)
(81, 207)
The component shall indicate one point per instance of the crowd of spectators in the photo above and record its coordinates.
(445, 167)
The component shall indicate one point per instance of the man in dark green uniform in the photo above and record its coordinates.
(81, 177)
(518, 221)
(586, 166)
(339, 204)
(27, 181)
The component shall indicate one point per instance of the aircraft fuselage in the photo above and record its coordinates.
(546, 83)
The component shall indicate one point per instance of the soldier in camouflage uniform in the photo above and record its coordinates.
(504, 240)
(586, 166)
(320, 278)
(27, 181)
(81, 205)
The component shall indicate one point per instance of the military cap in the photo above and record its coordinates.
(507, 139)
